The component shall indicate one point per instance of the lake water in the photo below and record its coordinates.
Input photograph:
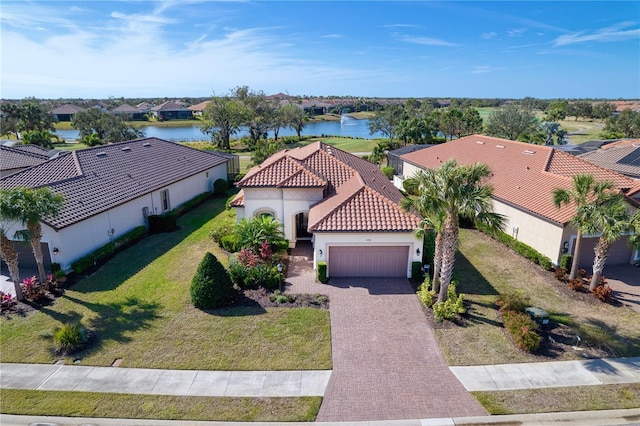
(348, 127)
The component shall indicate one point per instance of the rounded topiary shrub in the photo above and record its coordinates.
(220, 187)
(211, 286)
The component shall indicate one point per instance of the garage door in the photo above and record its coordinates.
(366, 261)
(619, 253)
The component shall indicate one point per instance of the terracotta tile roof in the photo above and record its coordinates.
(126, 109)
(621, 143)
(199, 106)
(358, 197)
(523, 175)
(169, 106)
(66, 109)
(97, 179)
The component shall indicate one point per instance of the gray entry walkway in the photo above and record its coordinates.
(164, 382)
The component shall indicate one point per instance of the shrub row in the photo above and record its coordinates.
(523, 249)
(107, 251)
(166, 222)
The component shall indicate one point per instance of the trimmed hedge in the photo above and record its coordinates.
(220, 187)
(565, 262)
(107, 251)
(322, 272)
(416, 271)
(166, 222)
(523, 249)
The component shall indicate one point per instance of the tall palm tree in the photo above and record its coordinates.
(584, 191)
(458, 191)
(30, 206)
(611, 219)
(10, 256)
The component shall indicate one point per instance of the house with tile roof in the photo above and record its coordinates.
(65, 112)
(19, 157)
(523, 177)
(341, 203)
(128, 112)
(170, 111)
(198, 109)
(622, 157)
(111, 189)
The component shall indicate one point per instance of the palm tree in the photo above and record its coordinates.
(611, 219)
(10, 257)
(30, 206)
(454, 191)
(585, 191)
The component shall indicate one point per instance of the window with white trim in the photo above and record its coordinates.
(164, 200)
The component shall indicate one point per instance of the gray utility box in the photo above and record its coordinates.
(539, 315)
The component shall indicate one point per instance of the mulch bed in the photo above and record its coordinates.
(265, 298)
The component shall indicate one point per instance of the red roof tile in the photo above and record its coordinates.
(358, 197)
(523, 175)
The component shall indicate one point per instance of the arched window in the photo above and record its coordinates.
(264, 213)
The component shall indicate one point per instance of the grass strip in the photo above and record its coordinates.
(548, 400)
(109, 405)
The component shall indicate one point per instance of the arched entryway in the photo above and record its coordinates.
(302, 223)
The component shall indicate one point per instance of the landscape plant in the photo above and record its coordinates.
(69, 338)
(451, 307)
(211, 286)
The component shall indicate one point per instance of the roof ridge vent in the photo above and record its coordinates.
(480, 142)
(528, 152)
(101, 154)
(500, 146)
(146, 144)
(126, 148)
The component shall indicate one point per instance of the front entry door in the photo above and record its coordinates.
(302, 222)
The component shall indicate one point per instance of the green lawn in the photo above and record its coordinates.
(139, 305)
(484, 268)
(106, 405)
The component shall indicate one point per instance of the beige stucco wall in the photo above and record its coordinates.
(322, 241)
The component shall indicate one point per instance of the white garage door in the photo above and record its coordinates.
(619, 253)
(366, 261)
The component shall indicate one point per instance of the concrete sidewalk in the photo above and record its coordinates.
(534, 375)
(164, 382)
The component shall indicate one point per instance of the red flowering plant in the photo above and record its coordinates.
(7, 302)
(33, 289)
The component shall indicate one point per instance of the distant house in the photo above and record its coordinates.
(112, 189)
(129, 112)
(622, 157)
(523, 177)
(341, 203)
(65, 112)
(19, 157)
(315, 107)
(170, 111)
(145, 107)
(198, 109)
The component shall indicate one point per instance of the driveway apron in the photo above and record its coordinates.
(386, 361)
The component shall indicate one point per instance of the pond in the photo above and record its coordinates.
(347, 127)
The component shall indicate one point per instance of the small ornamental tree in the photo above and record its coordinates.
(211, 286)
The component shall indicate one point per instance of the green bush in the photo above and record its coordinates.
(453, 306)
(522, 249)
(211, 286)
(416, 271)
(55, 267)
(425, 293)
(131, 237)
(166, 222)
(230, 243)
(220, 188)
(565, 262)
(69, 338)
(194, 202)
(522, 330)
(515, 301)
(237, 271)
(388, 172)
(322, 272)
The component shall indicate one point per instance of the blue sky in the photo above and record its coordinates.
(99, 49)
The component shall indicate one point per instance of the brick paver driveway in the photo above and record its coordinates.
(625, 282)
(386, 362)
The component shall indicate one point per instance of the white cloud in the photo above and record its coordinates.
(608, 34)
(332, 36)
(490, 35)
(517, 32)
(427, 41)
(483, 69)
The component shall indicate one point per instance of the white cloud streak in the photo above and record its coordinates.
(605, 35)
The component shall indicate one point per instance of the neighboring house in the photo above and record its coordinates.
(111, 189)
(622, 157)
(145, 107)
(170, 111)
(523, 177)
(19, 157)
(394, 160)
(198, 109)
(315, 107)
(65, 112)
(128, 112)
(342, 203)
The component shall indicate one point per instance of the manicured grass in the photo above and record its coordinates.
(69, 146)
(484, 268)
(66, 125)
(485, 112)
(105, 405)
(139, 305)
(579, 398)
